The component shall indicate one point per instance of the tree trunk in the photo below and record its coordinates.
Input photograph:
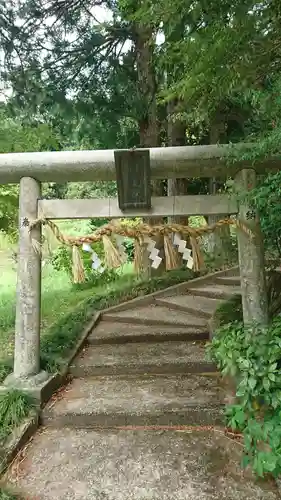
(176, 187)
(217, 242)
(176, 137)
(148, 123)
(251, 256)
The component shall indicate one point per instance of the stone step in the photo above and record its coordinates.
(200, 307)
(89, 464)
(229, 280)
(142, 358)
(218, 291)
(108, 332)
(140, 401)
(155, 315)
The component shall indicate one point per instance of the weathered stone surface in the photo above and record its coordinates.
(201, 307)
(27, 326)
(155, 315)
(163, 400)
(114, 333)
(98, 165)
(127, 433)
(136, 358)
(36, 386)
(68, 464)
(229, 280)
(215, 291)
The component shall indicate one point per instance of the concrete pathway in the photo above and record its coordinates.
(141, 418)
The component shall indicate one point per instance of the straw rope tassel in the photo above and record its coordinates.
(37, 246)
(198, 261)
(111, 255)
(172, 261)
(138, 249)
(77, 266)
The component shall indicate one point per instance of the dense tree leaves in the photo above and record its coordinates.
(18, 137)
(94, 83)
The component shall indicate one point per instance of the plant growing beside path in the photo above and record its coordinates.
(252, 357)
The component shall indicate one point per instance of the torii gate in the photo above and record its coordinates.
(31, 169)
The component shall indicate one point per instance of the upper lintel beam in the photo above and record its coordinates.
(98, 165)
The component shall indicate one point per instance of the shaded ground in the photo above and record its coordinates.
(142, 465)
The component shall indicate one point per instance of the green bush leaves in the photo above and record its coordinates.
(252, 356)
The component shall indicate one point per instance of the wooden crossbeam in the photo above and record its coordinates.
(161, 207)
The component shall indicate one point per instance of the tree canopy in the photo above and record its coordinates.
(148, 73)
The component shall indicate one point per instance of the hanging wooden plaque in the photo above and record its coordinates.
(133, 179)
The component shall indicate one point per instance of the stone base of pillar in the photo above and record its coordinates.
(40, 386)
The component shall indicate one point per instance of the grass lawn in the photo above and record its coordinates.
(59, 297)
(66, 309)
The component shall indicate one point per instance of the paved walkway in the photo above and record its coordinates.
(120, 431)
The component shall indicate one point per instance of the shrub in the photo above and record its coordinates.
(62, 261)
(129, 248)
(252, 356)
(8, 495)
(229, 311)
(266, 198)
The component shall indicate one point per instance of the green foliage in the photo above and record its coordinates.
(251, 356)
(6, 367)
(16, 136)
(91, 190)
(67, 330)
(129, 246)
(8, 495)
(9, 195)
(222, 48)
(266, 198)
(263, 127)
(62, 261)
(62, 336)
(229, 311)
(222, 60)
(15, 406)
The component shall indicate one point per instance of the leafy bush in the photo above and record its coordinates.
(229, 311)
(266, 198)
(8, 495)
(62, 260)
(9, 208)
(128, 243)
(252, 357)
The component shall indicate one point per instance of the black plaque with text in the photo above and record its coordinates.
(133, 178)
